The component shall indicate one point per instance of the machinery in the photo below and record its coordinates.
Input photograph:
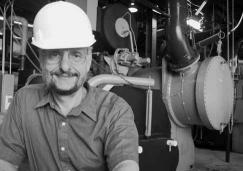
(191, 90)
(168, 97)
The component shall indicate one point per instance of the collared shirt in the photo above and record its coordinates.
(96, 135)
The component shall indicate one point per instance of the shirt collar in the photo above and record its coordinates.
(87, 106)
(45, 99)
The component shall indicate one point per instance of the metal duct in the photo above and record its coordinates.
(182, 54)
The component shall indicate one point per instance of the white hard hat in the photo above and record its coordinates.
(61, 25)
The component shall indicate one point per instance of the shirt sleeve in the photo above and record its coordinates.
(122, 135)
(12, 148)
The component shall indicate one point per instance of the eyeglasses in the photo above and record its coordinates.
(76, 56)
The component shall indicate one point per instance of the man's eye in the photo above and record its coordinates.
(77, 55)
(54, 55)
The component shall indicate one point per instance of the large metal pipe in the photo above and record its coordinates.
(182, 55)
(117, 79)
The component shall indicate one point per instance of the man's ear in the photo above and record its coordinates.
(89, 59)
(40, 55)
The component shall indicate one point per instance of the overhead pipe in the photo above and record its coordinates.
(182, 55)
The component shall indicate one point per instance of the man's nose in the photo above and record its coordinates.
(65, 63)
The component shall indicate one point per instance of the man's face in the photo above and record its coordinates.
(65, 70)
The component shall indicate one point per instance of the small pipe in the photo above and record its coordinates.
(117, 79)
(4, 39)
(227, 153)
(233, 35)
(11, 39)
(131, 41)
(201, 7)
(228, 45)
(239, 22)
(211, 39)
(149, 109)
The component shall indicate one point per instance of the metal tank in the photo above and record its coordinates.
(195, 93)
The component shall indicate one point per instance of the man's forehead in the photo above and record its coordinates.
(83, 49)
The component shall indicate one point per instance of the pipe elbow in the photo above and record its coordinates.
(182, 55)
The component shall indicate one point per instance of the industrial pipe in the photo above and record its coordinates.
(182, 55)
(118, 79)
(211, 39)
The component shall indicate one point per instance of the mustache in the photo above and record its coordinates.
(64, 73)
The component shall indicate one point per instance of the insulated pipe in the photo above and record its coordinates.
(117, 79)
(182, 55)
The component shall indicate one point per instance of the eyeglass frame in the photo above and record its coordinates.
(47, 54)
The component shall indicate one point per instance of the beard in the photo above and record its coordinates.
(53, 87)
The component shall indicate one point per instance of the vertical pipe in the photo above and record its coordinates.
(149, 111)
(228, 31)
(154, 40)
(11, 40)
(233, 33)
(4, 39)
(131, 41)
(227, 154)
(228, 138)
(148, 34)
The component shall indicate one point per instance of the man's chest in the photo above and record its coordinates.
(74, 142)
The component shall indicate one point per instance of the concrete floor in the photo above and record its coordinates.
(210, 160)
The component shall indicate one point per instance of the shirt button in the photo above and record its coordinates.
(62, 148)
(63, 123)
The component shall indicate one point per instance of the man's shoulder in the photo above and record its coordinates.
(108, 98)
(101, 94)
(31, 90)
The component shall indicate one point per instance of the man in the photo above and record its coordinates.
(65, 124)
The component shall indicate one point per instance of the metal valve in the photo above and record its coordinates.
(171, 143)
